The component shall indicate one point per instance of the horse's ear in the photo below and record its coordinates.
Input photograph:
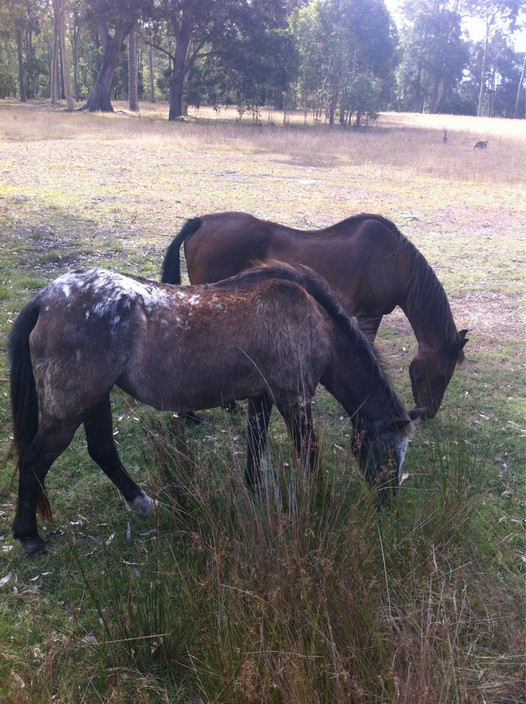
(459, 347)
(398, 424)
(462, 339)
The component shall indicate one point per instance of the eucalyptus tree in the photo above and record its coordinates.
(347, 50)
(311, 42)
(114, 20)
(18, 16)
(199, 30)
(257, 58)
(499, 16)
(434, 53)
(8, 68)
(60, 47)
(23, 20)
(503, 76)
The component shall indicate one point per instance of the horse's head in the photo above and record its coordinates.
(431, 372)
(380, 449)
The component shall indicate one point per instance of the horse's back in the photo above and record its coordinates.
(362, 258)
(240, 340)
(82, 338)
(224, 245)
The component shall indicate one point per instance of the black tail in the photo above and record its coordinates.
(171, 271)
(24, 399)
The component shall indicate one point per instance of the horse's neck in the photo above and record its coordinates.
(361, 387)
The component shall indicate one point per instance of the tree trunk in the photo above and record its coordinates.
(433, 105)
(517, 99)
(76, 33)
(357, 122)
(132, 72)
(332, 107)
(31, 77)
(55, 86)
(180, 68)
(60, 16)
(152, 82)
(480, 107)
(100, 97)
(21, 87)
(66, 72)
(76, 91)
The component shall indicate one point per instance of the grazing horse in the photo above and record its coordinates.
(269, 335)
(367, 262)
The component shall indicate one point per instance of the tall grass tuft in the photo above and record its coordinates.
(310, 595)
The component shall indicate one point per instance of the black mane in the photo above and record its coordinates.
(319, 289)
(426, 300)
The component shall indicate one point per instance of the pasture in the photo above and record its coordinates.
(312, 596)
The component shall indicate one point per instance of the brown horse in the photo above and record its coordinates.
(269, 335)
(367, 262)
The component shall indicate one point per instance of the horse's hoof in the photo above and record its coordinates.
(143, 505)
(34, 546)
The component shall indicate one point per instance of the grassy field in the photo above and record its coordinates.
(302, 599)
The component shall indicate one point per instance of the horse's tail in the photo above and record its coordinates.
(24, 399)
(171, 271)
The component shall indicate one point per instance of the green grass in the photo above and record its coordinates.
(310, 596)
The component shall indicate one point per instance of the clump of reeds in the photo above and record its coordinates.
(310, 594)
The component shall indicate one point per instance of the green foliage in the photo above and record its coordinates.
(346, 50)
(434, 55)
(277, 53)
(255, 69)
(503, 68)
(8, 86)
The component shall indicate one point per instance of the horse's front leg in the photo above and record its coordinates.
(37, 458)
(259, 409)
(298, 418)
(98, 425)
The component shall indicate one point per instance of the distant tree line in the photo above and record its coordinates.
(339, 61)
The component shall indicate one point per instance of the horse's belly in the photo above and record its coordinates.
(226, 374)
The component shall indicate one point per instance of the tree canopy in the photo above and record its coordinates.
(340, 61)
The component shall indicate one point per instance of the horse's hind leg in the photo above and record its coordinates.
(49, 442)
(101, 447)
(298, 418)
(259, 409)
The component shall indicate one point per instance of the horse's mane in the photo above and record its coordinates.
(319, 289)
(426, 299)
